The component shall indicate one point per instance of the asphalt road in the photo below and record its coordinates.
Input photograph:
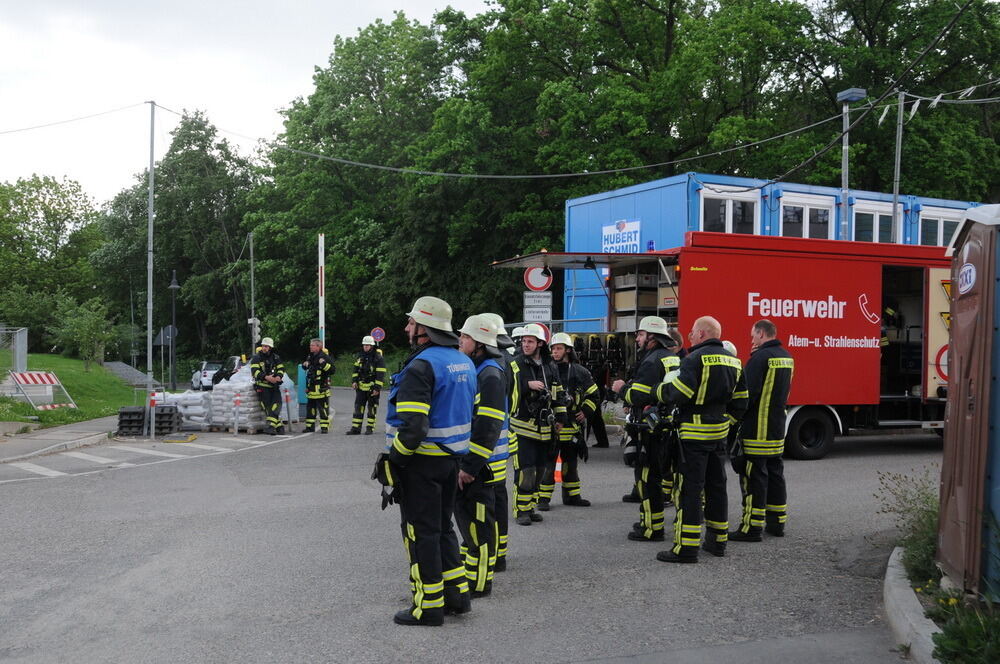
(279, 553)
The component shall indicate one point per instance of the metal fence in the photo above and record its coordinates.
(13, 349)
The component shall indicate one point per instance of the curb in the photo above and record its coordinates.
(910, 627)
(59, 447)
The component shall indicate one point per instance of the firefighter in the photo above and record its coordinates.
(428, 425)
(319, 367)
(762, 436)
(268, 372)
(536, 421)
(516, 335)
(367, 380)
(476, 502)
(656, 357)
(710, 393)
(580, 398)
(502, 452)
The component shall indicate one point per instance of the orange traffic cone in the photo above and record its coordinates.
(558, 468)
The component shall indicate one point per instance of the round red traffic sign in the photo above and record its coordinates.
(535, 280)
(941, 362)
(378, 334)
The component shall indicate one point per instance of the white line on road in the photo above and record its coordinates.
(94, 458)
(210, 448)
(38, 470)
(139, 450)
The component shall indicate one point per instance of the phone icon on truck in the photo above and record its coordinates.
(863, 303)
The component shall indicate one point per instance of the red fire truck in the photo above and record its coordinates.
(867, 323)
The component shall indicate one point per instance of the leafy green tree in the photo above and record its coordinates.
(83, 329)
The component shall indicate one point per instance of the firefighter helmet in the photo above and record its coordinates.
(481, 329)
(503, 340)
(432, 312)
(657, 327)
(535, 330)
(368, 341)
(517, 333)
(730, 347)
(561, 338)
(267, 341)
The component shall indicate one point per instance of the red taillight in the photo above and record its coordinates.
(204, 374)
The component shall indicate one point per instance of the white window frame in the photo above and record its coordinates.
(941, 215)
(807, 202)
(729, 194)
(876, 208)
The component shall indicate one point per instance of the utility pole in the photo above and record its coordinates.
(254, 323)
(895, 176)
(322, 289)
(149, 272)
(845, 97)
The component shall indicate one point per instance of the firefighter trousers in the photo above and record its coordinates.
(701, 466)
(270, 403)
(649, 485)
(569, 469)
(762, 483)
(529, 464)
(426, 506)
(475, 514)
(318, 409)
(363, 399)
(501, 509)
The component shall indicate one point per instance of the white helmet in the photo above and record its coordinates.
(535, 330)
(368, 341)
(730, 347)
(267, 341)
(657, 327)
(561, 338)
(432, 312)
(503, 340)
(481, 329)
(517, 333)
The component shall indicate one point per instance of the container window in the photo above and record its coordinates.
(715, 215)
(949, 230)
(929, 232)
(819, 223)
(791, 221)
(743, 213)
(863, 224)
(886, 232)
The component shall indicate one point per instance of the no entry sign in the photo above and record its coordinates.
(535, 280)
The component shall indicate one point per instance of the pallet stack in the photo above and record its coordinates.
(167, 420)
(132, 421)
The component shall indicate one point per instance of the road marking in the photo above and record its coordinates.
(139, 450)
(38, 470)
(92, 457)
(243, 440)
(210, 448)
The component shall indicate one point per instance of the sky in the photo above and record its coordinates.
(239, 61)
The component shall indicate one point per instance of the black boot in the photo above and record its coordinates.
(428, 617)
(455, 602)
(369, 430)
(281, 430)
(638, 536)
(501, 563)
(631, 498)
(576, 501)
(715, 548)
(740, 536)
(324, 431)
(309, 429)
(776, 529)
(523, 519)
(543, 505)
(671, 557)
(353, 431)
(535, 517)
(269, 430)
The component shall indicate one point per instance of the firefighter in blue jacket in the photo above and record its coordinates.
(504, 449)
(367, 379)
(428, 426)
(710, 394)
(475, 507)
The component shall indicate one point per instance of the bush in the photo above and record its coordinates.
(913, 499)
(970, 630)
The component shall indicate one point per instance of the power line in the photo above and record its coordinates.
(532, 176)
(77, 119)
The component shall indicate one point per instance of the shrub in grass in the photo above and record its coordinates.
(913, 500)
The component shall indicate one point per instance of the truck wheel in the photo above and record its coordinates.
(810, 435)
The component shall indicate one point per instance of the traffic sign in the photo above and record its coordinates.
(537, 299)
(535, 280)
(537, 314)
(378, 334)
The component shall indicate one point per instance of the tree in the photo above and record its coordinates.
(83, 329)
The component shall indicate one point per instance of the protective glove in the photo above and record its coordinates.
(631, 451)
(581, 449)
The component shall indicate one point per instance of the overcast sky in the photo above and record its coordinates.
(238, 60)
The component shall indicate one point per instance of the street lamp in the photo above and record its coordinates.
(174, 286)
(846, 97)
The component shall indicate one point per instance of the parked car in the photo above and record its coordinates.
(232, 364)
(201, 379)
